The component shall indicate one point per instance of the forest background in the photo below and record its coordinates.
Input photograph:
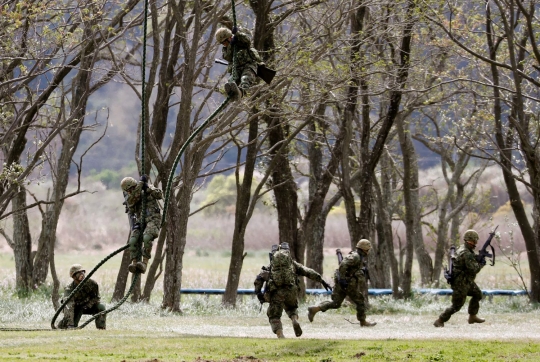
(402, 122)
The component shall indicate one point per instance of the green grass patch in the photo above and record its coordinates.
(116, 346)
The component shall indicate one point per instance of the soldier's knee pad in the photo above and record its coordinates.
(147, 238)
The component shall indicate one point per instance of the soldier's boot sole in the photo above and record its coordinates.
(279, 333)
(438, 323)
(474, 319)
(367, 324)
(311, 312)
(297, 328)
(232, 90)
(141, 267)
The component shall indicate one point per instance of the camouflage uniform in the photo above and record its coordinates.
(247, 59)
(86, 301)
(153, 218)
(353, 281)
(464, 271)
(282, 298)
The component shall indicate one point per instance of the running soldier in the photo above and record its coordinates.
(281, 291)
(85, 301)
(464, 272)
(349, 281)
(133, 194)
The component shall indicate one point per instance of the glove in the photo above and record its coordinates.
(234, 29)
(326, 285)
(260, 297)
(343, 283)
(144, 180)
(234, 39)
(482, 262)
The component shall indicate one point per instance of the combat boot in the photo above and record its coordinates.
(233, 91)
(133, 266)
(141, 265)
(279, 333)
(438, 323)
(367, 324)
(296, 326)
(312, 311)
(474, 319)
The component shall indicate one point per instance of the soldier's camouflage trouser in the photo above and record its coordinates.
(151, 232)
(248, 76)
(353, 291)
(101, 321)
(282, 299)
(459, 295)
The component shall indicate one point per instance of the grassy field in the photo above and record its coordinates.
(205, 331)
(117, 346)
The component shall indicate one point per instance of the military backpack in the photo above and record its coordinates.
(282, 271)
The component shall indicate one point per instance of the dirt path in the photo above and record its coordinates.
(497, 327)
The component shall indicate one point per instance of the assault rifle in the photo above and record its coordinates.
(483, 253)
(339, 260)
(365, 268)
(449, 271)
(263, 72)
(265, 285)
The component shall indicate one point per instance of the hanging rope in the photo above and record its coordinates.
(199, 129)
(143, 221)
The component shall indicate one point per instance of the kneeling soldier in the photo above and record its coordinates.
(85, 301)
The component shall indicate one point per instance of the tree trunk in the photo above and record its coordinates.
(176, 241)
(411, 198)
(505, 143)
(122, 277)
(241, 217)
(151, 274)
(22, 245)
(385, 208)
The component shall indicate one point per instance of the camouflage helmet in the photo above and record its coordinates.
(223, 34)
(470, 235)
(127, 183)
(75, 268)
(364, 244)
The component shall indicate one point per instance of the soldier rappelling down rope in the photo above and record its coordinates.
(134, 192)
(249, 65)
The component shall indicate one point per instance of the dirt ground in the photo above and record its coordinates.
(325, 326)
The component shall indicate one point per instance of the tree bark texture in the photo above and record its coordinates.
(411, 196)
(241, 217)
(505, 140)
(22, 245)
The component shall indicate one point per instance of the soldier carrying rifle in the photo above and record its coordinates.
(461, 275)
(350, 279)
(281, 291)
